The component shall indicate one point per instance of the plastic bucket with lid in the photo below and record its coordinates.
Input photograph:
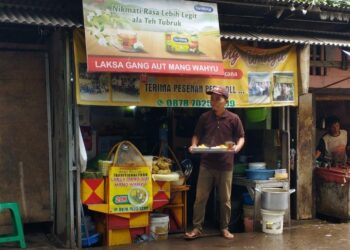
(272, 221)
(159, 226)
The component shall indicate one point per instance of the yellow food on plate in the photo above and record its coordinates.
(202, 146)
(220, 146)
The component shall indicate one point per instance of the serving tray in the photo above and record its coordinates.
(211, 150)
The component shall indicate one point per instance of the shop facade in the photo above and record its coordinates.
(57, 114)
(294, 124)
(132, 99)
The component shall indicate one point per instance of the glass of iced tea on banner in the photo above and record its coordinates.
(127, 38)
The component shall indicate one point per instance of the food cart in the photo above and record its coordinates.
(128, 193)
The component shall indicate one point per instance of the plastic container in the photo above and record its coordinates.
(247, 200)
(159, 227)
(259, 174)
(239, 169)
(278, 164)
(104, 167)
(248, 224)
(281, 174)
(256, 114)
(257, 165)
(179, 182)
(248, 213)
(89, 241)
(272, 221)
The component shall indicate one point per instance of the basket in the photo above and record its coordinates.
(91, 240)
(104, 166)
(176, 167)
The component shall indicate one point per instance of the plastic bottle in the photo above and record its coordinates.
(278, 164)
(293, 153)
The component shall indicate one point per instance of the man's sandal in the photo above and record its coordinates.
(194, 234)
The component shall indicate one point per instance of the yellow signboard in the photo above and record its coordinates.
(130, 189)
(253, 77)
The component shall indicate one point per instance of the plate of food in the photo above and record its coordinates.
(138, 196)
(214, 149)
(219, 148)
(200, 148)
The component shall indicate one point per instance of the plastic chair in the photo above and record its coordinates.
(16, 222)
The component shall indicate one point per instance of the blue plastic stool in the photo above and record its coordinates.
(16, 222)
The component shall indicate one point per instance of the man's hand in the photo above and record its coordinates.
(190, 149)
(235, 149)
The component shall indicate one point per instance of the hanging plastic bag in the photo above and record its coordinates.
(82, 153)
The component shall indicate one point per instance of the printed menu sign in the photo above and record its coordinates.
(130, 189)
(152, 36)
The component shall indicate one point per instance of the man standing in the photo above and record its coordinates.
(214, 128)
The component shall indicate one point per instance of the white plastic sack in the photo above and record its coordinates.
(82, 153)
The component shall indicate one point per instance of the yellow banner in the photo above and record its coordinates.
(130, 189)
(254, 78)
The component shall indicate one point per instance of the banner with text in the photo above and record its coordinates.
(130, 189)
(254, 78)
(152, 36)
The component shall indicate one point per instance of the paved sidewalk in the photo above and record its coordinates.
(308, 235)
(301, 235)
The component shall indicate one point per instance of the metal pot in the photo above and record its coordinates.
(275, 198)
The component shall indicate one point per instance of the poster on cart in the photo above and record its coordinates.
(130, 189)
(152, 36)
(253, 77)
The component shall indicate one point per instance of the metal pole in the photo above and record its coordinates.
(71, 151)
(49, 132)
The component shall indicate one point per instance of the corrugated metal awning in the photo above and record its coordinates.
(37, 17)
(294, 39)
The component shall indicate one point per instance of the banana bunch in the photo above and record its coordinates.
(161, 165)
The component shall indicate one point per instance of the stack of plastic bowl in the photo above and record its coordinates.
(258, 171)
(257, 165)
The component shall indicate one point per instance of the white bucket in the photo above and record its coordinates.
(272, 221)
(159, 226)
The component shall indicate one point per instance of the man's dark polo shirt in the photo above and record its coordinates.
(214, 131)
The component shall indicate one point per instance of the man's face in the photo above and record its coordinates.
(283, 89)
(334, 129)
(217, 102)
